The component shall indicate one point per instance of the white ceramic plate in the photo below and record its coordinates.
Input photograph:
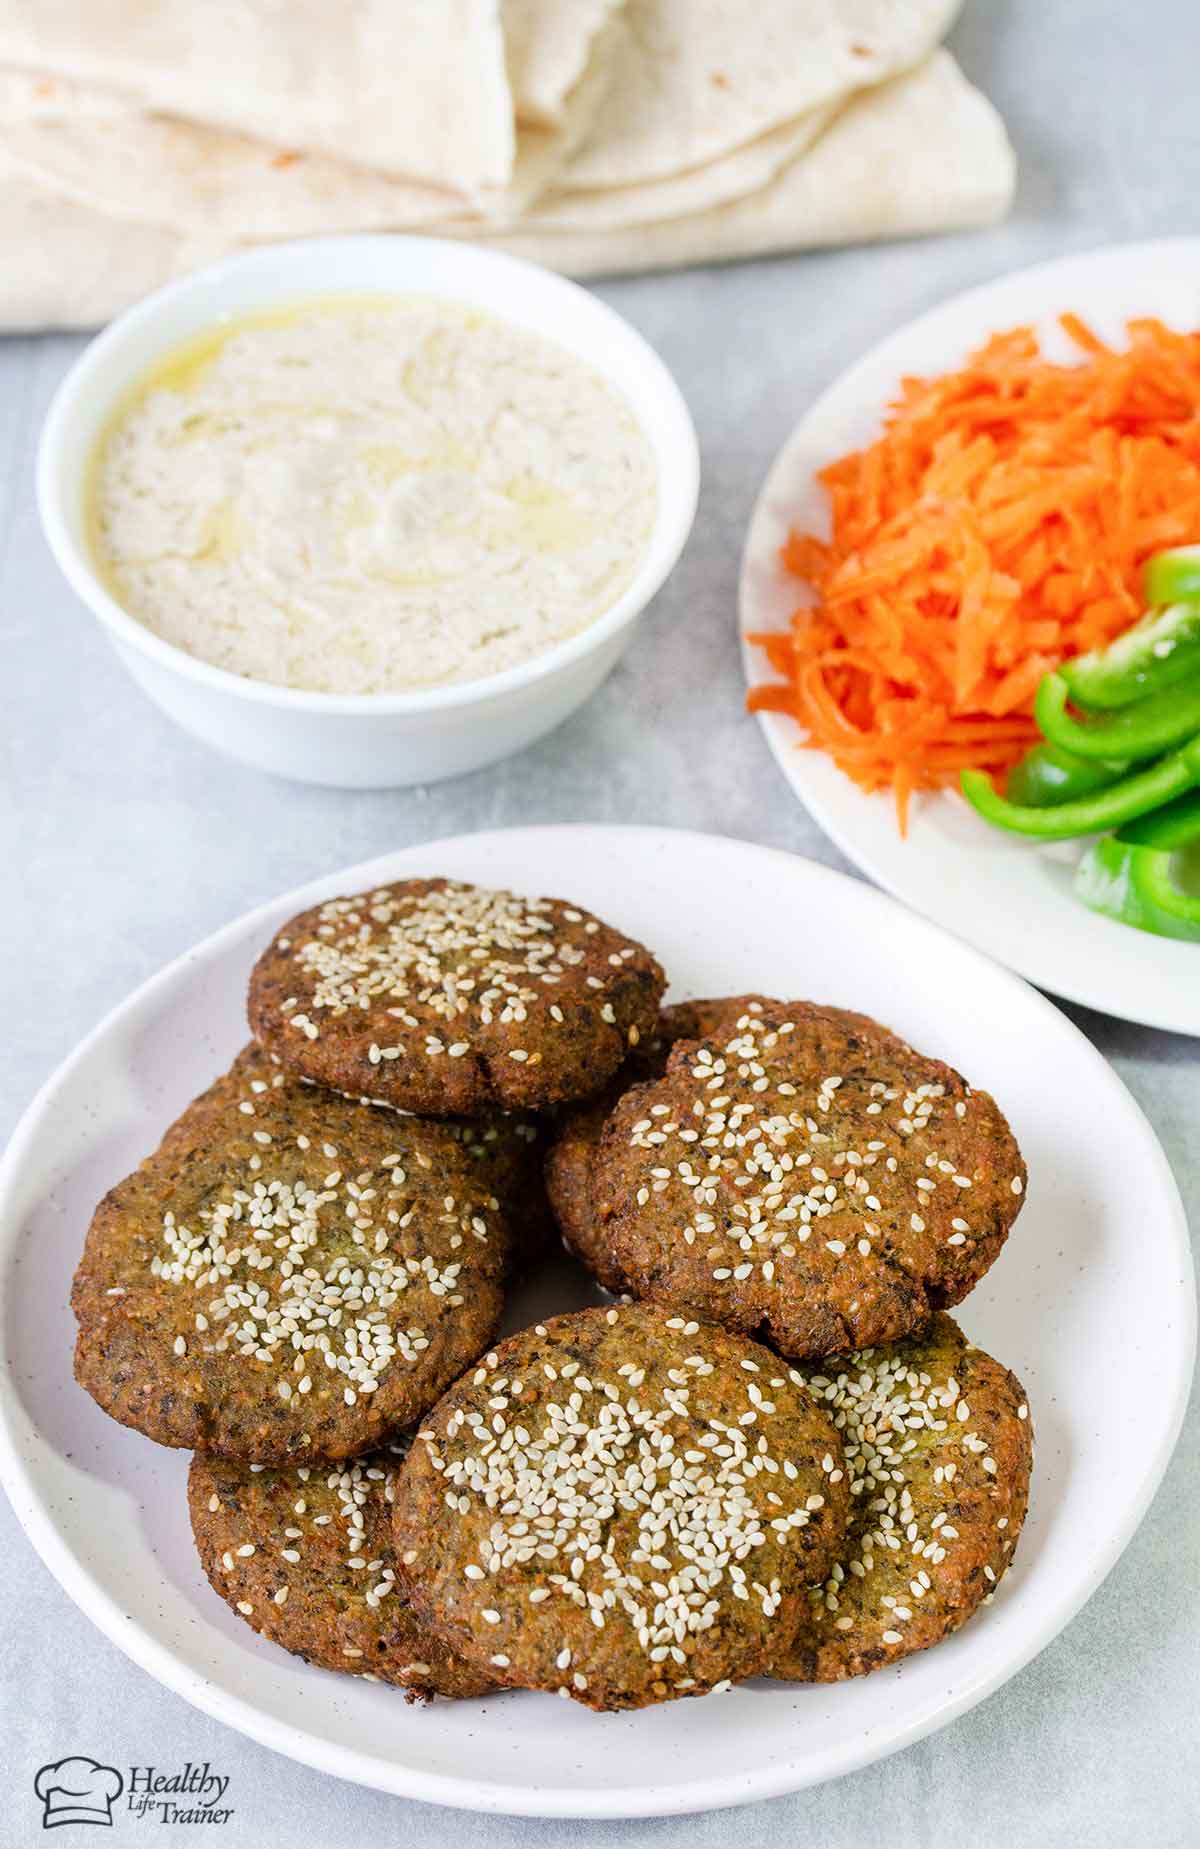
(1091, 1298)
(1007, 897)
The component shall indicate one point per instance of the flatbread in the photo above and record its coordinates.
(732, 176)
(102, 150)
(548, 46)
(99, 148)
(545, 152)
(924, 153)
(415, 88)
(67, 266)
(697, 78)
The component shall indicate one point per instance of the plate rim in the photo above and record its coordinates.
(714, 1793)
(779, 730)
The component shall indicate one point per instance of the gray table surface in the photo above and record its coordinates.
(1096, 1741)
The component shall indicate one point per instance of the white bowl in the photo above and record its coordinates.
(361, 741)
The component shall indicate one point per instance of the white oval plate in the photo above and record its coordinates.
(1091, 1298)
(1007, 897)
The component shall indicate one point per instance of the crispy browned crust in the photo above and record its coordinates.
(906, 1518)
(827, 1243)
(278, 1546)
(490, 1559)
(509, 1049)
(402, 1194)
(569, 1181)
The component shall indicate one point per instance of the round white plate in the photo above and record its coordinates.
(1007, 897)
(1091, 1298)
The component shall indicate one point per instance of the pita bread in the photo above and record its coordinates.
(415, 88)
(923, 153)
(100, 149)
(544, 153)
(77, 267)
(548, 46)
(743, 170)
(697, 78)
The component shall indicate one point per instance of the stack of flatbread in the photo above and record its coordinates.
(141, 137)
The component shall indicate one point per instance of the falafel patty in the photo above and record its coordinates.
(570, 1182)
(304, 1555)
(809, 1180)
(451, 999)
(621, 1506)
(939, 1448)
(293, 1275)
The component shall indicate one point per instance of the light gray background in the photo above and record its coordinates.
(125, 842)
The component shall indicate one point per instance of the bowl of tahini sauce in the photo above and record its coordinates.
(368, 511)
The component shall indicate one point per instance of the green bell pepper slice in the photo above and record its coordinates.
(1160, 651)
(1144, 729)
(1172, 577)
(1047, 774)
(1137, 886)
(1173, 826)
(1104, 809)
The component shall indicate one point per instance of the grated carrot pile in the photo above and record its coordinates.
(998, 525)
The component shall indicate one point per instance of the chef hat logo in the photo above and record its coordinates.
(77, 1791)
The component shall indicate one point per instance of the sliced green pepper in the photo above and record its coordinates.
(1160, 651)
(1089, 815)
(1173, 826)
(1137, 886)
(1047, 774)
(1144, 729)
(1173, 577)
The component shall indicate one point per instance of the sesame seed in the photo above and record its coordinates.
(549, 1477)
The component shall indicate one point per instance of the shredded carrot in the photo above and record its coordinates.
(999, 525)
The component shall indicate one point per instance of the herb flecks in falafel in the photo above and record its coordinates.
(621, 1506)
(435, 996)
(293, 1274)
(810, 1179)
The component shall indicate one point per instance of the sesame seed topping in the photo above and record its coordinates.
(780, 1160)
(905, 1426)
(312, 1270)
(633, 1497)
(452, 956)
